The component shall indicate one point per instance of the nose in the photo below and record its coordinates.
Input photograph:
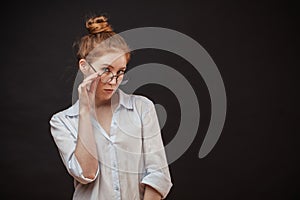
(113, 81)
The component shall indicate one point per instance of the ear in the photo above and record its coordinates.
(83, 66)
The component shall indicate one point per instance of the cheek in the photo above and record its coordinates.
(99, 86)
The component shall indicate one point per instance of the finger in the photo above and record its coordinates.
(91, 85)
(84, 86)
(91, 77)
(94, 84)
(85, 83)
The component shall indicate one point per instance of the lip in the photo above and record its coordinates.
(109, 90)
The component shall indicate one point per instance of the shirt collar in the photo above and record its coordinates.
(73, 110)
(124, 100)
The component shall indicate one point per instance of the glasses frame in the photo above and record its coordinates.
(109, 80)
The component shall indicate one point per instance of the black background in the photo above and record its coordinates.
(253, 43)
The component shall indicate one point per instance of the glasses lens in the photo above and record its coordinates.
(106, 77)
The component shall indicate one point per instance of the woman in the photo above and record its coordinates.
(109, 141)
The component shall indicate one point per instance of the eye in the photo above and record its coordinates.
(105, 69)
(121, 72)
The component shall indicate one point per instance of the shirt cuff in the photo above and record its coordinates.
(76, 171)
(159, 182)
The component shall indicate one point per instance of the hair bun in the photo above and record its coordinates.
(97, 25)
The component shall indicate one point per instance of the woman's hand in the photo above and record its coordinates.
(87, 91)
(86, 149)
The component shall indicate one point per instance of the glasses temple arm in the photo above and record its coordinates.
(92, 66)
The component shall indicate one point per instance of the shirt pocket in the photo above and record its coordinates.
(129, 124)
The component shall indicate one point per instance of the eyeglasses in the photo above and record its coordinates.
(108, 76)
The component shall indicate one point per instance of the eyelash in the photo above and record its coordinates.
(106, 69)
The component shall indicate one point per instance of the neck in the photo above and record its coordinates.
(112, 102)
(103, 103)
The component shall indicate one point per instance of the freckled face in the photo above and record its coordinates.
(110, 62)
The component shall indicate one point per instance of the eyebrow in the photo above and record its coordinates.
(108, 65)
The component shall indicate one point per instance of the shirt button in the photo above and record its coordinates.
(117, 188)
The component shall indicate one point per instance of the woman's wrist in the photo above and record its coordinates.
(151, 193)
(83, 110)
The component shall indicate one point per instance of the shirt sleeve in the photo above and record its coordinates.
(66, 141)
(157, 173)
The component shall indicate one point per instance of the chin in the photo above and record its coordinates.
(104, 97)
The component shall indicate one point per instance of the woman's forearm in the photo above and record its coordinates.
(85, 150)
(151, 194)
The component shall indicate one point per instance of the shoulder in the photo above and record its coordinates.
(142, 99)
(70, 111)
(142, 103)
(133, 101)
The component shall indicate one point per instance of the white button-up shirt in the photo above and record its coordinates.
(131, 156)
